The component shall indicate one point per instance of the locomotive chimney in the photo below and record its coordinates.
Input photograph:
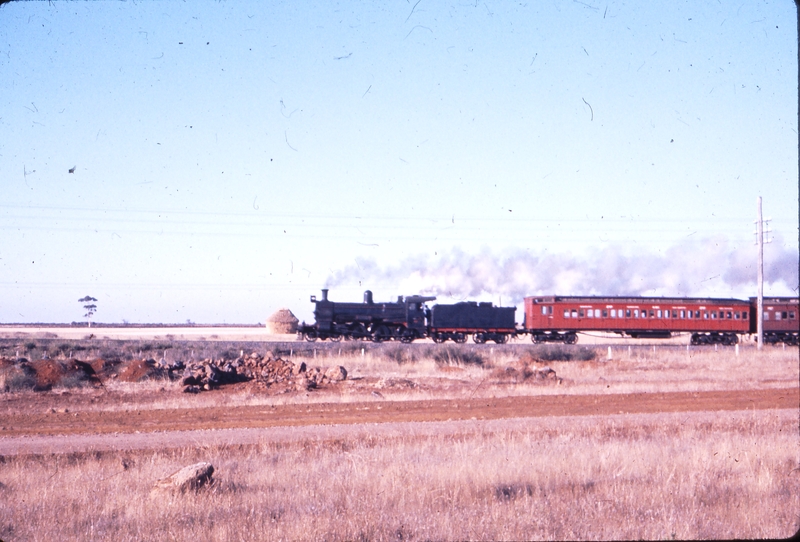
(324, 294)
(368, 297)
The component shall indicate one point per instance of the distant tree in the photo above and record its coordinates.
(89, 306)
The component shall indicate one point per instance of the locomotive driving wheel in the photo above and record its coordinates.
(382, 333)
(312, 335)
(479, 338)
(570, 338)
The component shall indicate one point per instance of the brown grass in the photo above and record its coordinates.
(704, 475)
(651, 476)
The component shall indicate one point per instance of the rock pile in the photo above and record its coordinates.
(263, 371)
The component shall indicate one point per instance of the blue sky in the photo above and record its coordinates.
(231, 158)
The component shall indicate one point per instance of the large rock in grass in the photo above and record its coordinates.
(336, 374)
(190, 478)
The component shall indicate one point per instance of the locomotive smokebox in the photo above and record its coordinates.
(324, 294)
(368, 297)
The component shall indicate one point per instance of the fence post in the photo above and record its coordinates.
(609, 354)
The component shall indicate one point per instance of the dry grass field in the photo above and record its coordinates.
(686, 472)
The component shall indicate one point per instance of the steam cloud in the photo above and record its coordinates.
(703, 267)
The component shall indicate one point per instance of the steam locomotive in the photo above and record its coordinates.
(554, 319)
(408, 319)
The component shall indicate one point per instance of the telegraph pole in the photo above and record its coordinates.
(760, 306)
(760, 232)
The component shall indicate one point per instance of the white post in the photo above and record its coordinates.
(737, 349)
(609, 354)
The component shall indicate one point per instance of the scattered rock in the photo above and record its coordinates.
(396, 383)
(522, 371)
(336, 374)
(190, 478)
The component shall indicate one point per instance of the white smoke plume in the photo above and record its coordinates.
(704, 267)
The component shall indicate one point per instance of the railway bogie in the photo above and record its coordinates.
(569, 337)
(714, 338)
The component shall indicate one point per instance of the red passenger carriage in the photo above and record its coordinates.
(781, 323)
(560, 318)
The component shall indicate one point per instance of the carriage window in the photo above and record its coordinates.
(613, 313)
(636, 313)
(580, 313)
(735, 315)
(605, 313)
(713, 315)
(544, 309)
(744, 315)
(784, 315)
(651, 314)
(589, 313)
(705, 316)
(628, 313)
(674, 314)
(566, 313)
(791, 315)
(777, 315)
(728, 315)
(597, 313)
(766, 316)
(574, 313)
(658, 313)
(689, 314)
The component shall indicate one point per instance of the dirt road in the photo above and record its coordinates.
(15, 424)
